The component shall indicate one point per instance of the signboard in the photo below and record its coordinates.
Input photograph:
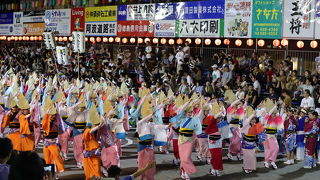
(165, 11)
(33, 29)
(58, 20)
(267, 19)
(62, 55)
(298, 19)
(238, 18)
(135, 29)
(6, 29)
(103, 13)
(48, 40)
(17, 23)
(6, 18)
(140, 11)
(77, 19)
(33, 16)
(200, 10)
(317, 20)
(78, 42)
(122, 12)
(165, 28)
(200, 28)
(101, 28)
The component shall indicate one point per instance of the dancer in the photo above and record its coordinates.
(290, 136)
(300, 135)
(311, 128)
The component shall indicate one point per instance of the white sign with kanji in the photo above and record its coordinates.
(62, 55)
(199, 28)
(48, 40)
(78, 42)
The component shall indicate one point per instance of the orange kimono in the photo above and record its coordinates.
(14, 134)
(91, 160)
(51, 150)
(26, 138)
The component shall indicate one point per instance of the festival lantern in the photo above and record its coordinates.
(92, 40)
(20, 38)
(117, 39)
(105, 39)
(207, 42)
(16, 38)
(146, 40)
(250, 42)
(217, 42)
(9, 39)
(155, 40)
(198, 41)
(56, 38)
(284, 42)
(132, 40)
(60, 39)
(27, 38)
(300, 44)
(140, 40)
(65, 39)
(24, 38)
(124, 40)
(276, 42)
(12, 38)
(40, 38)
(179, 41)
(163, 41)
(70, 38)
(171, 41)
(31, 38)
(188, 40)
(98, 39)
(238, 42)
(226, 42)
(261, 43)
(313, 44)
(36, 38)
(111, 39)
(86, 39)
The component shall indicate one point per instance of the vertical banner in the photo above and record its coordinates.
(48, 40)
(101, 21)
(299, 19)
(267, 19)
(78, 42)
(317, 29)
(17, 23)
(77, 19)
(58, 21)
(238, 18)
(62, 55)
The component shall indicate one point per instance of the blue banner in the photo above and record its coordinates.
(165, 11)
(200, 10)
(122, 12)
(6, 18)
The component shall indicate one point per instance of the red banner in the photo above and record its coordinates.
(135, 28)
(77, 19)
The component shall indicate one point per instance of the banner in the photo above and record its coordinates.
(267, 19)
(17, 24)
(101, 28)
(33, 29)
(62, 55)
(200, 28)
(238, 18)
(165, 28)
(48, 40)
(77, 19)
(317, 29)
(103, 13)
(6, 29)
(122, 13)
(298, 19)
(140, 12)
(58, 20)
(6, 18)
(78, 42)
(200, 10)
(165, 11)
(33, 16)
(135, 29)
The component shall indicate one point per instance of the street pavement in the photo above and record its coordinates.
(167, 171)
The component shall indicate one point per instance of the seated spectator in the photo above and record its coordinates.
(251, 96)
(27, 166)
(6, 149)
(307, 102)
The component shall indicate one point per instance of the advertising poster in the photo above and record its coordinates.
(200, 28)
(77, 19)
(238, 18)
(267, 19)
(165, 28)
(103, 13)
(17, 23)
(33, 29)
(6, 23)
(108, 28)
(58, 21)
(298, 19)
(135, 29)
(140, 12)
(165, 11)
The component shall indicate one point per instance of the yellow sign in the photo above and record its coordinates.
(34, 29)
(104, 13)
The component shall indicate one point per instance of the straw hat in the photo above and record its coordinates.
(23, 102)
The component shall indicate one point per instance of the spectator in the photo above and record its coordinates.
(27, 166)
(216, 74)
(307, 102)
(6, 149)
(226, 76)
(256, 85)
(251, 96)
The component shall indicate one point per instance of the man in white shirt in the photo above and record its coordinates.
(307, 102)
(179, 59)
(216, 74)
(186, 50)
(256, 85)
(148, 50)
